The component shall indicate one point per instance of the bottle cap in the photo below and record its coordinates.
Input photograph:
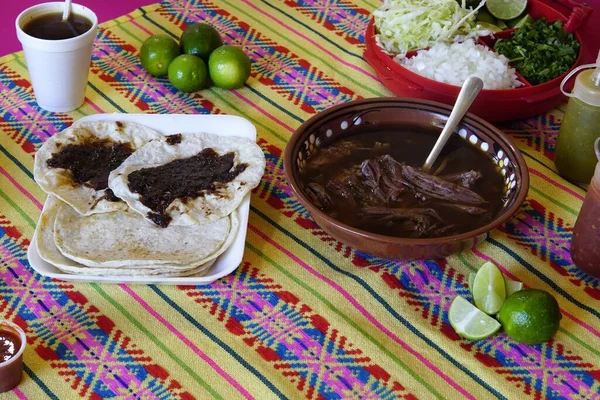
(587, 83)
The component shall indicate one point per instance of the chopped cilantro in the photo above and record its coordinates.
(540, 51)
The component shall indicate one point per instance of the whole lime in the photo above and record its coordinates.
(530, 316)
(200, 40)
(156, 54)
(229, 67)
(188, 73)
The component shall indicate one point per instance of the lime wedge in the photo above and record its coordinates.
(488, 27)
(506, 9)
(489, 289)
(469, 322)
(471, 280)
(485, 16)
(512, 286)
(501, 24)
(519, 22)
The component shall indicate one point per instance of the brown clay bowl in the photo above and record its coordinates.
(357, 116)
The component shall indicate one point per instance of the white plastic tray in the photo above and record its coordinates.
(225, 125)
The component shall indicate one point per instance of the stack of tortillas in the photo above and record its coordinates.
(125, 200)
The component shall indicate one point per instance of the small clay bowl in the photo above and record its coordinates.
(358, 116)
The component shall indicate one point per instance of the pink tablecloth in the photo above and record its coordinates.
(104, 9)
(109, 9)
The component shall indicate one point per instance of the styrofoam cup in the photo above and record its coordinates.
(58, 69)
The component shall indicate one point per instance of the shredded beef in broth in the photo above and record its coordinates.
(373, 181)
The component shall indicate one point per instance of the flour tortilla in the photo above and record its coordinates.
(205, 208)
(44, 240)
(124, 238)
(59, 181)
(144, 272)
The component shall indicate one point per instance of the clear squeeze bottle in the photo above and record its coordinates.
(575, 158)
(585, 243)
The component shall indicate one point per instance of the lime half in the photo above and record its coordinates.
(489, 289)
(506, 9)
(469, 322)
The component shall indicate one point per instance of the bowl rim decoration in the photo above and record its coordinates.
(296, 141)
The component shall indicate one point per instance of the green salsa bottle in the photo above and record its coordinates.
(575, 158)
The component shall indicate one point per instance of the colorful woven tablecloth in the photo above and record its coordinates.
(303, 316)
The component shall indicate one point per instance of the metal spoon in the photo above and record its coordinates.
(66, 10)
(469, 91)
(65, 18)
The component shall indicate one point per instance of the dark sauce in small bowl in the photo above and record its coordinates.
(11, 355)
(9, 345)
(51, 26)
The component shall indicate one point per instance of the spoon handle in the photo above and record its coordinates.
(66, 10)
(469, 91)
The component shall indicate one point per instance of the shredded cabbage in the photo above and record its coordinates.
(406, 25)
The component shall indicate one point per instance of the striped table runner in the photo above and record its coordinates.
(304, 316)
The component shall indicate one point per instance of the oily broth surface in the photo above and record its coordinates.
(411, 145)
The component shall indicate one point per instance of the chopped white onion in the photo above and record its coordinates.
(454, 63)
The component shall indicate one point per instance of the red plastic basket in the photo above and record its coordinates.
(492, 105)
